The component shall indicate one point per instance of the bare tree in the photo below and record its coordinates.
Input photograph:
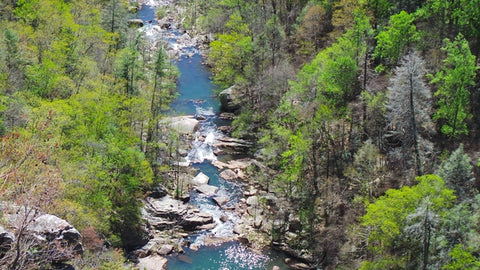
(409, 106)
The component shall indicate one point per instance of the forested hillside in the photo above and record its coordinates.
(80, 95)
(366, 113)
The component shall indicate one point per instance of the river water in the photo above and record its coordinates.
(196, 97)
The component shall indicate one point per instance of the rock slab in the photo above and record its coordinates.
(153, 262)
(207, 190)
(186, 124)
(200, 179)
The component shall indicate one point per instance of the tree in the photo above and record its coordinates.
(409, 104)
(313, 29)
(420, 229)
(454, 79)
(114, 20)
(462, 259)
(457, 173)
(367, 170)
(397, 37)
(231, 54)
(386, 218)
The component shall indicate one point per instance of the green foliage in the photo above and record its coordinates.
(63, 69)
(387, 262)
(386, 217)
(231, 53)
(313, 29)
(454, 79)
(367, 169)
(462, 259)
(331, 76)
(399, 35)
(457, 173)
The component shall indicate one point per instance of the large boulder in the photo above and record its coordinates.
(153, 262)
(54, 229)
(167, 212)
(200, 179)
(221, 200)
(228, 175)
(207, 190)
(6, 240)
(230, 99)
(48, 236)
(186, 124)
(195, 220)
(135, 23)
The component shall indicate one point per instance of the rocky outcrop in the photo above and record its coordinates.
(6, 240)
(135, 23)
(232, 145)
(230, 99)
(167, 212)
(186, 124)
(53, 239)
(53, 228)
(221, 200)
(228, 175)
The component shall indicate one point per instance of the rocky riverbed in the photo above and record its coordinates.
(170, 220)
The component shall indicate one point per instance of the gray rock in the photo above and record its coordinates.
(252, 191)
(165, 250)
(207, 190)
(221, 200)
(230, 99)
(135, 23)
(166, 212)
(186, 124)
(146, 250)
(258, 221)
(195, 220)
(252, 201)
(223, 218)
(237, 229)
(200, 179)
(228, 175)
(166, 207)
(300, 266)
(55, 228)
(6, 240)
(153, 262)
(227, 116)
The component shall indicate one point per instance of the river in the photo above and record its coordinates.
(196, 97)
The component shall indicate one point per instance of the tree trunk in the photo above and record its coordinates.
(414, 128)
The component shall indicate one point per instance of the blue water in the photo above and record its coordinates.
(231, 256)
(194, 88)
(196, 97)
(147, 13)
